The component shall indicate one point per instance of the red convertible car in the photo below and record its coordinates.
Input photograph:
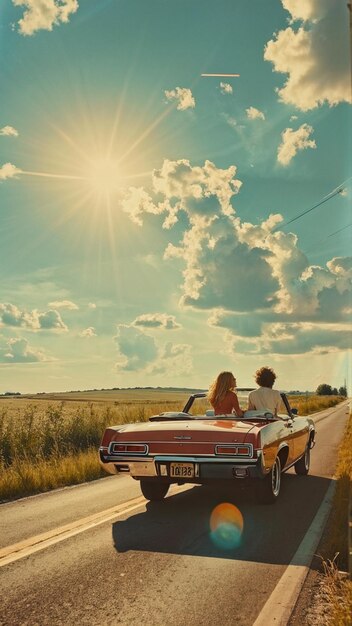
(192, 447)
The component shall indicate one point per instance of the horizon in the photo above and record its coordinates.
(173, 210)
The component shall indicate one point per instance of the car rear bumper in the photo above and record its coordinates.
(205, 468)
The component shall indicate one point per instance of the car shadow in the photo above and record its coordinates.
(180, 523)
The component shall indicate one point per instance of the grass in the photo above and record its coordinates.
(25, 476)
(47, 443)
(337, 588)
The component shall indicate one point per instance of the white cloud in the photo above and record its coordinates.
(64, 304)
(19, 351)
(253, 277)
(226, 88)
(11, 315)
(44, 14)
(156, 320)
(315, 56)
(231, 121)
(136, 350)
(309, 10)
(175, 358)
(8, 131)
(183, 97)
(198, 190)
(139, 351)
(8, 170)
(88, 332)
(255, 114)
(293, 141)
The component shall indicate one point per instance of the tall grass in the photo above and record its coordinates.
(43, 443)
(337, 588)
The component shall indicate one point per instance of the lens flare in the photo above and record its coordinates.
(226, 525)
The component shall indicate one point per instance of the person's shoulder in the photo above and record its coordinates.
(231, 394)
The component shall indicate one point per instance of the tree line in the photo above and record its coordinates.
(328, 390)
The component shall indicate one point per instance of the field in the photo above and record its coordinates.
(51, 440)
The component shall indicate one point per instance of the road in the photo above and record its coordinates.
(155, 564)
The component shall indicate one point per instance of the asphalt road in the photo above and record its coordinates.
(156, 564)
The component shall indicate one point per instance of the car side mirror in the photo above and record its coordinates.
(294, 411)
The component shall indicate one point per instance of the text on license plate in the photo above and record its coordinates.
(182, 470)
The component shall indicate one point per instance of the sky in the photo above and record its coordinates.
(158, 226)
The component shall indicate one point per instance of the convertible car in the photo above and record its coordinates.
(194, 446)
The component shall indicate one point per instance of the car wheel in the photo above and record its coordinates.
(302, 466)
(154, 490)
(268, 488)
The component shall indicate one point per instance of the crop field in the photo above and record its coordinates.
(51, 440)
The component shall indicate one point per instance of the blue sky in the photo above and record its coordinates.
(144, 208)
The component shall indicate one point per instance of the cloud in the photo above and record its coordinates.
(44, 14)
(298, 339)
(139, 351)
(183, 97)
(253, 278)
(64, 304)
(8, 171)
(197, 190)
(8, 131)
(92, 305)
(18, 351)
(293, 141)
(136, 349)
(156, 320)
(11, 315)
(231, 121)
(175, 358)
(226, 88)
(255, 114)
(88, 332)
(315, 56)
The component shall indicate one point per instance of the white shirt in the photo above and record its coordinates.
(265, 398)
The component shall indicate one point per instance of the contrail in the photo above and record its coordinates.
(222, 75)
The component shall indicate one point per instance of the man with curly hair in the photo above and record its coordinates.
(265, 397)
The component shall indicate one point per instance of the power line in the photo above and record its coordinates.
(340, 229)
(338, 190)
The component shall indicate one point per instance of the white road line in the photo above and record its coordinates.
(278, 608)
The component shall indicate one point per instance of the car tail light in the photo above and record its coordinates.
(128, 448)
(234, 449)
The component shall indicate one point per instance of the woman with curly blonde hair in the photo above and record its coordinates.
(222, 396)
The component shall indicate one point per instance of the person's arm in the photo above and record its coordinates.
(236, 406)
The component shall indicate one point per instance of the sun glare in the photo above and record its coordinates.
(103, 176)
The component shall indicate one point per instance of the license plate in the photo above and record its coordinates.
(181, 470)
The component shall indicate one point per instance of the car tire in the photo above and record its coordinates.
(154, 490)
(302, 466)
(268, 488)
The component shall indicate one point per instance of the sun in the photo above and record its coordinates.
(103, 176)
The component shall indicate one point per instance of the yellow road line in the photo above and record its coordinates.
(44, 540)
(29, 546)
